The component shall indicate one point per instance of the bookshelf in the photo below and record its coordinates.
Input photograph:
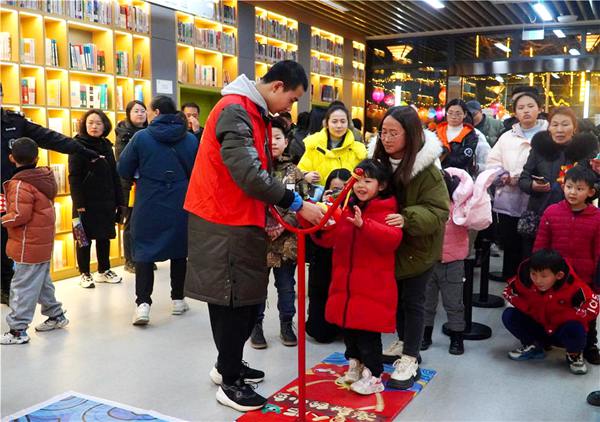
(57, 60)
(206, 53)
(326, 66)
(358, 80)
(276, 38)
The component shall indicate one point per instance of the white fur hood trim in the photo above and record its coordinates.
(429, 154)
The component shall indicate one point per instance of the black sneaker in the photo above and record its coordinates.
(287, 335)
(257, 338)
(240, 396)
(427, 342)
(592, 355)
(594, 398)
(456, 343)
(247, 374)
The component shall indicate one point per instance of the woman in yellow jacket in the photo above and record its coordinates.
(332, 148)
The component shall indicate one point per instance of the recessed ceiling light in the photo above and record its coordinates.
(574, 52)
(559, 33)
(335, 5)
(436, 4)
(542, 12)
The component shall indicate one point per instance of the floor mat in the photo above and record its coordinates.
(328, 400)
(72, 406)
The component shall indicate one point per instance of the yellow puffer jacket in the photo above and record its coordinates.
(322, 160)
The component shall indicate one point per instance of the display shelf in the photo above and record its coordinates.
(358, 80)
(326, 66)
(37, 54)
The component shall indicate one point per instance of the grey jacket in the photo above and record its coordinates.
(491, 128)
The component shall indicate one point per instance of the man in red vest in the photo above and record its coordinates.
(229, 190)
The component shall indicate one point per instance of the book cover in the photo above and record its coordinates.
(53, 92)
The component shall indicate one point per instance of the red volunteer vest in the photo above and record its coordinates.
(212, 193)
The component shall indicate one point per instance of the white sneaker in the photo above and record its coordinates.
(108, 277)
(14, 337)
(87, 281)
(179, 307)
(406, 372)
(353, 374)
(142, 314)
(53, 323)
(367, 384)
(393, 352)
(577, 364)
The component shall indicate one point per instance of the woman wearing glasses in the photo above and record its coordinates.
(424, 205)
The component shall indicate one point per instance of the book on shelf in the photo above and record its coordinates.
(28, 50)
(329, 93)
(131, 17)
(138, 92)
(28, 90)
(122, 63)
(89, 96)
(74, 126)
(60, 175)
(229, 15)
(138, 66)
(56, 124)
(58, 257)
(57, 215)
(182, 71)
(98, 11)
(205, 75)
(53, 92)
(86, 57)
(119, 96)
(5, 48)
(51, 52)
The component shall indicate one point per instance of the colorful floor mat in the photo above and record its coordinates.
(71, 407)
(328, 400)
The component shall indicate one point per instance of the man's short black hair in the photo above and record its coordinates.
(164, 104)
(289, 72)
(191, 105)
(580, 173)
(357, 123)
(24, 151)
(524, 88)
(547, 259)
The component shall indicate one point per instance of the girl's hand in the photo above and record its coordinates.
(395, 220)
(357, 220)
(81, 209)
(312, 177)
(540, 187)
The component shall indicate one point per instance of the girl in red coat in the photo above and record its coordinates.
(363, 296)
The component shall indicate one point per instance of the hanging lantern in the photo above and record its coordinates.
(377, 95)
(389, 100)
(431, 113)
(439, 114)
(422, 112)
(442, 95)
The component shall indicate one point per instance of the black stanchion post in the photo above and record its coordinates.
(473, 330)
(483, 299)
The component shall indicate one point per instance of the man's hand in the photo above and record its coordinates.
(194, 124)
(311, 213)
(540, 187)
(312, 177)
(395, 220)
(357, 219)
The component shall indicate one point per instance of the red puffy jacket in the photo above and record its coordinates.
(363, 293)
(570, 299)
(575, 235)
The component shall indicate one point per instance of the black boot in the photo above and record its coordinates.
(592, 354)
(426, 342)
(287, 335)
(456, 343)
(594, 398)
(257, 338)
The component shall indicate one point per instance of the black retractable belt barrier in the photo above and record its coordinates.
(483, 299)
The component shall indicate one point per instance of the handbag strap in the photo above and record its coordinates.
(188, 172)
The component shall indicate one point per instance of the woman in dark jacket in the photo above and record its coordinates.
(160, 158)
(552, 152)
(136, 119)
(97, 196)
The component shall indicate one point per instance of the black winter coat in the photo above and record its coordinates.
(545, 160)
(125, 132)
(462, 154)
(96, 187)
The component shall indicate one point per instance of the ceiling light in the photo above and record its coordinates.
(436, 4)
(559, 33)
(499, 79)
(542, 12)
(555, 75)
(502, 47)
(574, 52)
(335, 5)
(400, 51)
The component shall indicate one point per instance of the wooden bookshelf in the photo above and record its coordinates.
(326, 66)
(125, 28)
(358, 80)
(206, 53)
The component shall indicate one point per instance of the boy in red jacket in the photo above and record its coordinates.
(572, 227)
(30, 222)
(552, 306)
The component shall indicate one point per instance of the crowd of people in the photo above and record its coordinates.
(420, 208)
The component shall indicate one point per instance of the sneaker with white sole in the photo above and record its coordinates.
(240, 396)
(353, 373)
(142, 314)
(527, 352)
(15, 337)
(247, 374)
(576, 363)
(53, 323)
(179, 307)
(108, 276)
(406, 373)
(367, 384)
(87, 281)
(393, 352)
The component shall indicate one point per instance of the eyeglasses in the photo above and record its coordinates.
(383, 136)
(455, 114)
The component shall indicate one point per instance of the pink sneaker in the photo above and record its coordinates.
(368, 384)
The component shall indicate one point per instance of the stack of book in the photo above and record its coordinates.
(28, 50)
(182, 71)
(229, 15)
(122, 63)
(99, 11)
(5, 49)
(89, 96)
(358, 55)
(329, 93)
(131, 17)
(28, 90)
(60, 176)
(205, 75)
(260, 25)
(138, 66)
(51, 52)
(86, 57)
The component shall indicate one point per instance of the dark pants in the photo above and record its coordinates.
(7, 264)
(512, 245)
(286, 295)
(102, 253)
(231, 327)
(319, 280)
(144, 280)
(127, 238)
(592, 335)
(571, 335)
(366, 347)
(410, 316)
